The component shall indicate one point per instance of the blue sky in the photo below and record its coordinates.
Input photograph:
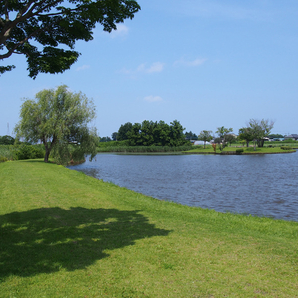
(206, 63)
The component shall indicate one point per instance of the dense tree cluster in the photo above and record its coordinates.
(149, 133)
(6, 140)
(190, 136)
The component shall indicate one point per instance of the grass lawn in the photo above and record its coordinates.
(249, 150)
(64, 234)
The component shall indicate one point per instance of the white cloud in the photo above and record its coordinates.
(152, 98)
(189, 63)
(121, 31)
(143, 68)
(155, 67)
(83, 67)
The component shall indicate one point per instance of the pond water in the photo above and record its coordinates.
(263, 185)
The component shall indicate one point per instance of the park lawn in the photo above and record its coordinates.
(64, 234)
(246, 150)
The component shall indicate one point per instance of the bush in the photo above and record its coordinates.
(239, 150)
(28, 152)
(3, 159)
(285, 148)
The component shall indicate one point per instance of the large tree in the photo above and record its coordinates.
(40, 29)
(260, 129)
(59, 119)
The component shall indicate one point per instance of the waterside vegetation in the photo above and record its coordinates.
(64, 234)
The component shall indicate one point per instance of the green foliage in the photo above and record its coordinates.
(112, 144)
(239, 150)
(190, 136)
(145, 149)
(3, 158)
(275, 136)
(205, 135)
(7, 140)
(28, 152)
(260, 130)
(59, 118)
(285, 148)
(149, 133)
(36, 29)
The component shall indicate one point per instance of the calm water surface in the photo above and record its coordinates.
(264, 185)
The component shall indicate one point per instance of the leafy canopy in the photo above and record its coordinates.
(52, 25)
(59, 119)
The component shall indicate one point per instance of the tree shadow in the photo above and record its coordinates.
(49, 239)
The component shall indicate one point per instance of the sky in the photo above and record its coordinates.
(205, 63)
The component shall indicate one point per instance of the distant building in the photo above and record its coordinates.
(292, 136)
(201, 143)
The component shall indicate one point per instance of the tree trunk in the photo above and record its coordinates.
(46, 156)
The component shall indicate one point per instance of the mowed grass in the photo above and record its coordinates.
(64, 234)
(249, 150)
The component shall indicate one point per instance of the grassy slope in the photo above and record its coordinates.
(64, 234)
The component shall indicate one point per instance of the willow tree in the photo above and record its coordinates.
(59, 119)
(45, 31)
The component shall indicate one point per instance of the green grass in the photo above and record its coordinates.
(249, 150)
(64, 234)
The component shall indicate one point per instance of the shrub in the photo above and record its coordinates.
(28, 152)
(3, 159)
(285, 148)
(239, 150)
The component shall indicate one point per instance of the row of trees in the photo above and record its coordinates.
(149, 133)
(6, 140)
(256, 131)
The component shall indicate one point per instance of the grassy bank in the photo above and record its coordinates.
(246, 150)
(64, 234)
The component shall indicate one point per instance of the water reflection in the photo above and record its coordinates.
(263, 185)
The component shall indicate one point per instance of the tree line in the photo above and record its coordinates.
(149, 133)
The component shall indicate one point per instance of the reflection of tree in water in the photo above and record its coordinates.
(45, 240)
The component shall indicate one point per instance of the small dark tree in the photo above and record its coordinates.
(114, 136)
(7, 140)
(123, 131)
(246, 134)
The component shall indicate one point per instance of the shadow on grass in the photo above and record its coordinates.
(49, 239)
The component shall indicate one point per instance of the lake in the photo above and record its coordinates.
(263, 185)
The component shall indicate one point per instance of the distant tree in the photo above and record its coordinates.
(222, 133)
(59, 119)
(190, 136)
(150, 133)
(43, 30)
(205, 135)
(246, 134)
(123, 131)
(275, 136)
(260, 130)
(114, 136)
(7, 140)
(105, 139)
(176, 134)
(230, 138)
